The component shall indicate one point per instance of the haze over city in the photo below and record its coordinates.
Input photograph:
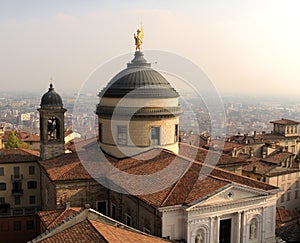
(248, 47)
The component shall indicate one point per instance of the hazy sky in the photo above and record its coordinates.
(248, 46)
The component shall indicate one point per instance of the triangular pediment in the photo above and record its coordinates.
(229, 194)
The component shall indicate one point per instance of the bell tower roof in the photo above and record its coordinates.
(51, 99)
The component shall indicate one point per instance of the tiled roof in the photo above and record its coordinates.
(80, 145)
(226, 146)
(187, 188)
(278, 170)
(283, 215)
(277, 157)
(198, 191)
(118, 235)
(200, 154)
(181, 191)
(27, 137)
(18, 155)
(261, 138)
(23, 136)
(64, 168)
(285, 122)
(259, 167)
(244, 156)
(51, 218)
(82, 232)
(226, 175)
(91, 226)
(268, 137)
(193, 139)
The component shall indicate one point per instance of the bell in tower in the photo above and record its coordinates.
(51, 125)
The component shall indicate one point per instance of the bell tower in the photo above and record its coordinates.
(51, 125)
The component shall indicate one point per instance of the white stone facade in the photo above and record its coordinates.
(249, 214)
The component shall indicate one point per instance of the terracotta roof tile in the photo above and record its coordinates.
(65, 167)
(285, 122)
(114, 234)
(82, 232)
(51, 218)
(89, 230)
(259, 167)
(62, 216)
(244, 156)
(193, 139)
(269, 137)
(182, 191)
(200, 154)
(198, 191)
(228, 146)
(283, 215)
(17, 155)
(186, 188)
(47, 217)
(23, 136)
(27, 137)
(277, 157)
(242, 180)
(261, 138)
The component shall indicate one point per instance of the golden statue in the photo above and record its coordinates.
(138, 37)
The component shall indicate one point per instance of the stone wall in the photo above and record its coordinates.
(142, 216)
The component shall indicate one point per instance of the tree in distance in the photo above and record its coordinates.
(14, 142)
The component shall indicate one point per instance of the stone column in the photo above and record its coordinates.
(211, 230)
(263, 221)
(244, 228)
(238, 235)
(218, 229)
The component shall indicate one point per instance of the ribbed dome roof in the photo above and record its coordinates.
(139, 80)
(51, 99)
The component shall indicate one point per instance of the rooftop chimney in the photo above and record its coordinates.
(68, 204)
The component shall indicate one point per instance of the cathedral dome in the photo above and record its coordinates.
(139, 80)
(51, 99)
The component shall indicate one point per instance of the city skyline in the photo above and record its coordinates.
(248, 47)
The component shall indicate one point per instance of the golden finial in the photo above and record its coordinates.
(138, 37)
